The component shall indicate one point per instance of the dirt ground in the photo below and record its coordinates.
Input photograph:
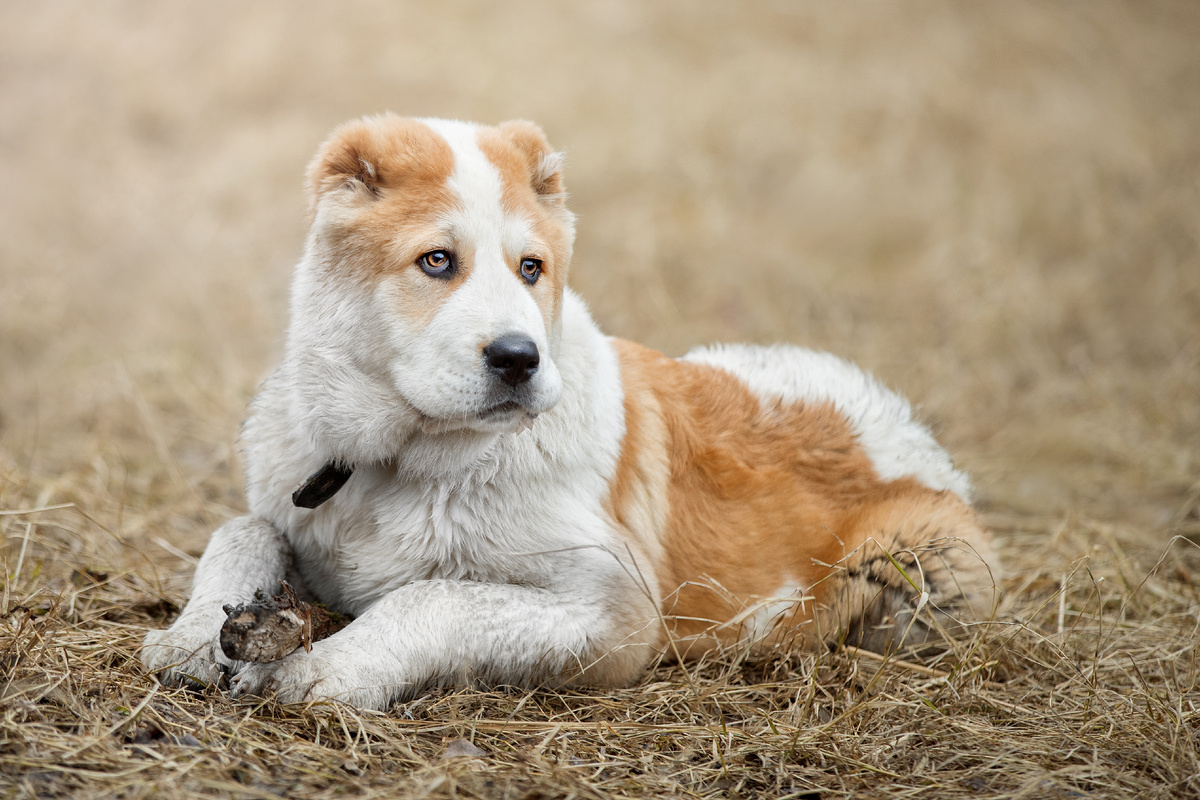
(996, 208)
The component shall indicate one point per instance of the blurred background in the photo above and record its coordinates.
(994, 207)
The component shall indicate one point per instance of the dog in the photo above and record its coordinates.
(454, 455)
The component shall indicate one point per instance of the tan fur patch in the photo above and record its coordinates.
(760, 495)
(381, 186)
(517, 149)
(638, 498)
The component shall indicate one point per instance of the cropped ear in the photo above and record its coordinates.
(543, 164)
(349, 158)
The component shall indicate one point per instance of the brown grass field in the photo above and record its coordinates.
(995, 207)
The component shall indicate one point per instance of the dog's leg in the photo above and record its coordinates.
(244, 555)
(452, 632)
(920, 567)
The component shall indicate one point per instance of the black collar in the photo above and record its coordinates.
(321, 485)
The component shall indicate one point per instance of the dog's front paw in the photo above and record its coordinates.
(185, 655)
(304, 677)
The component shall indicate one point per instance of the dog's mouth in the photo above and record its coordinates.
(509, 410)
(501, 416)
(501, 409)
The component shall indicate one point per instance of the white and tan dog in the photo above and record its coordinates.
(452, 453)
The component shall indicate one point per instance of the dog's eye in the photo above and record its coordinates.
(438, 263)
(531, 270)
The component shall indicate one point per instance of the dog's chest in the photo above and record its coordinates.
(380, 533)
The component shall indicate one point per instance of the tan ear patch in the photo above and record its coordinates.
(378, 153)
(547, 177)
(542, 166)
(386, 180)
(345, 156)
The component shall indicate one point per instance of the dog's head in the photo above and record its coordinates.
(431, 290)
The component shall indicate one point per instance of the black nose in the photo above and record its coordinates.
(513, 357)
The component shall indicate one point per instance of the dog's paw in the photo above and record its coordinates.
(185, 655)
(306, 677)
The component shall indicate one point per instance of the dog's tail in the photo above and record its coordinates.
(917, 566)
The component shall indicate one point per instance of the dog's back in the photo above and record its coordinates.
(790, 477)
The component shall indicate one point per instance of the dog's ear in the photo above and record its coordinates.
(543, 164)
(347, 159)
(347, 155)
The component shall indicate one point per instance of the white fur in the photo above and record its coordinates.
(465, 546)
(896, 443)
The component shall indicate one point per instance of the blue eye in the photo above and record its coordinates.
(437, 263)
(531, 270)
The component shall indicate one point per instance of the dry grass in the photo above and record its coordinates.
(1088, 687)
(996, 208)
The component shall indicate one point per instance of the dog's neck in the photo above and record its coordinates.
(321, 485)
(294, 425)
